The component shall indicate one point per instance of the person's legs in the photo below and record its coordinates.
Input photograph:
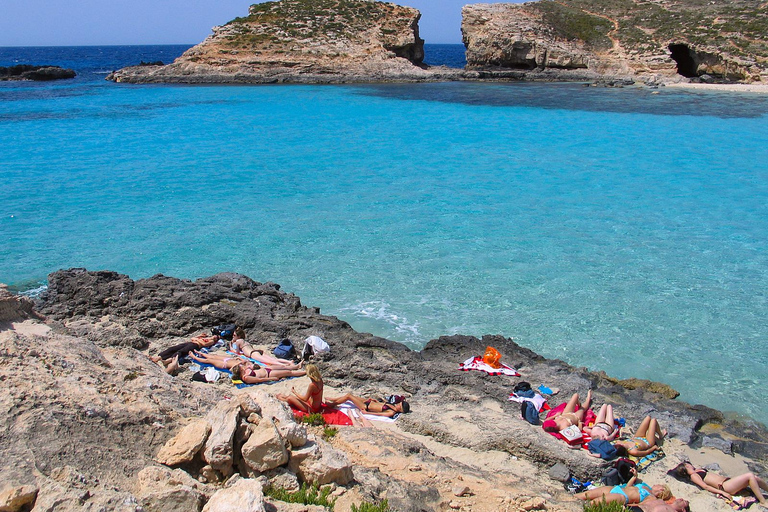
(594, 493)
(282, 374)
(294, 402)
(736, 484)
(582, 412)
(338, 400)
(610, 419)
(572, 403)
(601, 414)
(642, 430)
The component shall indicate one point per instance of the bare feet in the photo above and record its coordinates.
(155, 359)
(173, 366)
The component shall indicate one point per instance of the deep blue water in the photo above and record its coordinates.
(620, 229)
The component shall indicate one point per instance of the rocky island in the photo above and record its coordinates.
(302, 41)
(35, 73)
(91, 423)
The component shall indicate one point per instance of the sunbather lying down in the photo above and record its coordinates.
(169, 357)
(371, 406)
(573, 414)
(251, 373)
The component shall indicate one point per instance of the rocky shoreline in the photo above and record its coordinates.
(86, 411)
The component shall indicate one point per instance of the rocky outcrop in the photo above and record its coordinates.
(36, 73)
(318, 41)
(89, 429)
(662, 40)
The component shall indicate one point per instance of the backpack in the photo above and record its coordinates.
(224, 331)
(619, 472)
(285, 350)
(529, 413)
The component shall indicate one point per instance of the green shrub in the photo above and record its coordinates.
(307, 495)
(314, 419)
(613, 506)
(365, 506)
(329, 432)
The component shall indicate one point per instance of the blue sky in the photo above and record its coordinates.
(106, 22)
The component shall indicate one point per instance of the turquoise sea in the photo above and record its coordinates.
(620, 229)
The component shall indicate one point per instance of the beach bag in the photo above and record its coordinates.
(224, 331)
(314, 345)
(492, 357)
(529, 413)
(619, 473)
(603, 448)
(394, 399)
(285, 350)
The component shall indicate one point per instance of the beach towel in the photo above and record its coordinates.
(644, 462)
(331, 415)
(589, 417)
(477, 363)
(739, 502)
(349, 408)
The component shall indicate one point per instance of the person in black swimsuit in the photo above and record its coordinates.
(721, 485)
(371, 406)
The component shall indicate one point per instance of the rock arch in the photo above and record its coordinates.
(686, 60)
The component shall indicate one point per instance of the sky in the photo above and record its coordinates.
(125, 22)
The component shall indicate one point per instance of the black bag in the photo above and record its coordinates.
(620, 472)
(522, 386)
(224, 331)
(285, 350)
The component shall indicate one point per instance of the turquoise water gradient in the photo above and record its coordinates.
(617, 229)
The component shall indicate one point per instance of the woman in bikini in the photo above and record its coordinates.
(221, 361)
(239, 346)
(718, 484)
(573, 414)
(604, 427)
(633, 492)
(648, 437)
(371, 406)
(312, 400)
(251, 373)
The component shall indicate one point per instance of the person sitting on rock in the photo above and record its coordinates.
(251, 373)
(605, 425)
(573, 414)
(647, 439)
(312, 400)
(371, 406)
(718, 484)
(169, 357)
(633, 492)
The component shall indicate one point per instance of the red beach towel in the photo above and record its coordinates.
(331, 416)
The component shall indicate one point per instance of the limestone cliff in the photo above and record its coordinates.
(666, 39)
(314, 41)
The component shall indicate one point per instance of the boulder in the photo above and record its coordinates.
(265, 448)
(242, 494)
(14, 499)
(218, 447)
(319, 463)
(186, 444)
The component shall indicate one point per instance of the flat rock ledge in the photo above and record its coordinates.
(102, 427)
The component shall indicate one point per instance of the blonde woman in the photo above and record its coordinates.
(312, 400)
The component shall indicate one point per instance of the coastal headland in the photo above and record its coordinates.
(91, 423)
(360, 41)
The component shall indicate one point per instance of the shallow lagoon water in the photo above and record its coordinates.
(620, 229)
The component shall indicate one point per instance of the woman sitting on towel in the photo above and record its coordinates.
(312, 400)
(648, 437)
(239, 346)
(169, 357)
(605, 425)
(721, 485)
(251, 373)
(573, 414)
(371, 406)
(633, 492)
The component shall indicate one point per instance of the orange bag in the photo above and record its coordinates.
(492, 357)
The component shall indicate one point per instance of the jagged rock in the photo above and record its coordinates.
(319, 463)
(17, 498)
(186, 444)
(218, 451)
(281, 478)
(14, 307)
(274, 410)
(648, 385)
(265, 449)
(240, 494)
(161, 489)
